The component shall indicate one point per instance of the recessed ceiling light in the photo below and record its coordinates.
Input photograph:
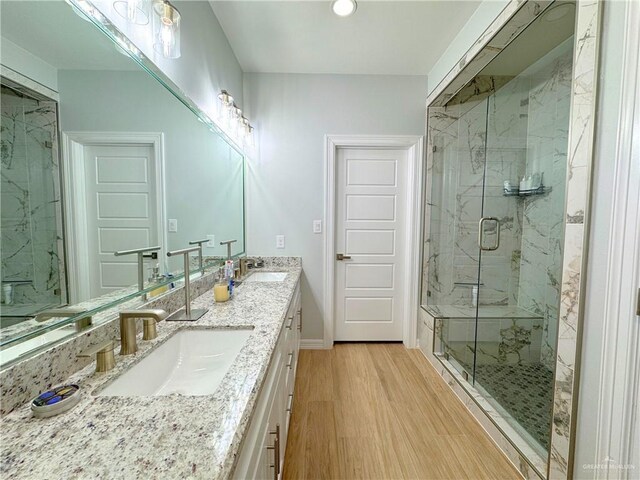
(343, 8)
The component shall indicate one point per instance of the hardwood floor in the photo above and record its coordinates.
(367, 411)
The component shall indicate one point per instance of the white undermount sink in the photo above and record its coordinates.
(191, 362)
(266, 277)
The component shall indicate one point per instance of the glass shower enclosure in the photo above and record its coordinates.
(31, 245)
(494, 224)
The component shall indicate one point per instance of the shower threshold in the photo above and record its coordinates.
(528, 447)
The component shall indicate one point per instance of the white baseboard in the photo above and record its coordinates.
(311, 344)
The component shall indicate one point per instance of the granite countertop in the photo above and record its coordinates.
(172, 436)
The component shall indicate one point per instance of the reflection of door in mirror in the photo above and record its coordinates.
(120, 195)
(33, 273)
(114, 207)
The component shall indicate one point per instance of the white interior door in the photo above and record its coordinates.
(121, 212)
(370, 229)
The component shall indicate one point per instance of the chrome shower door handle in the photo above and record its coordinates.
(481, 234)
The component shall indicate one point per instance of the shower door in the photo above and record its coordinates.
(496, 234)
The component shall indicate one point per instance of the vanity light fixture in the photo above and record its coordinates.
(135, 11)
(344, 8)
(235, 119)
(243, 128)
(166, 29)
(225, 98)
(233, 122)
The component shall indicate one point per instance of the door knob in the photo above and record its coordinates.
(340, 256)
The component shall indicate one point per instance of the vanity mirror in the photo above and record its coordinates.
(98, 157)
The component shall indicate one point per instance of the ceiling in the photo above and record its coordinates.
(52, 31)
(381, 37)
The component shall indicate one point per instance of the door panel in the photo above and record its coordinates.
(121, 211)
(371, 207)
(370, 230)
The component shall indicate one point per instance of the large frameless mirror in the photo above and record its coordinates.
(98, 157)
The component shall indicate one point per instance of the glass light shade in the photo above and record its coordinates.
(135, 11)
(235, 119)
(166, 29)
(225, 98)
(243, 128)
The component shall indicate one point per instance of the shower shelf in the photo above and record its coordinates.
(484, 311)
(541, 190)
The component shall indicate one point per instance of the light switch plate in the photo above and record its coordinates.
(317, 226)
(212, 241)
(173, 225)
(279, 241)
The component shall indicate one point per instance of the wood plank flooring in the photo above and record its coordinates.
(380, 411)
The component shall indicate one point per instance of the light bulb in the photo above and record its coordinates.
(166, 39)
(166, 26)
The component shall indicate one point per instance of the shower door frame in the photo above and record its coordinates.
(514, 18)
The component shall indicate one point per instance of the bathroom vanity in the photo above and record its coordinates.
(237, 430)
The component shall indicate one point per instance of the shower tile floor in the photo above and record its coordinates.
(525, 391)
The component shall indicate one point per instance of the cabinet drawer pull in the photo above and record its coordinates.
(290, 360)
(289, 408)
(300, 320)
(290, 322)
(276, 451)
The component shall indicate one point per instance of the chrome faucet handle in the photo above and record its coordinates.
(105, 359)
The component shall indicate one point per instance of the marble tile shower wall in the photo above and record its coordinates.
(523, 126)
(459, 185)
(543, 218)
(30, 189)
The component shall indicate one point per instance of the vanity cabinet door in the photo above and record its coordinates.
(268, 432)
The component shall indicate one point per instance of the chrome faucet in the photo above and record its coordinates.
(187, 314)
(128, 342)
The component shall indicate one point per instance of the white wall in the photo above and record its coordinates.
(285, 181)
(484, 15)
(207, 64)
(27, 64)
(601, 208)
